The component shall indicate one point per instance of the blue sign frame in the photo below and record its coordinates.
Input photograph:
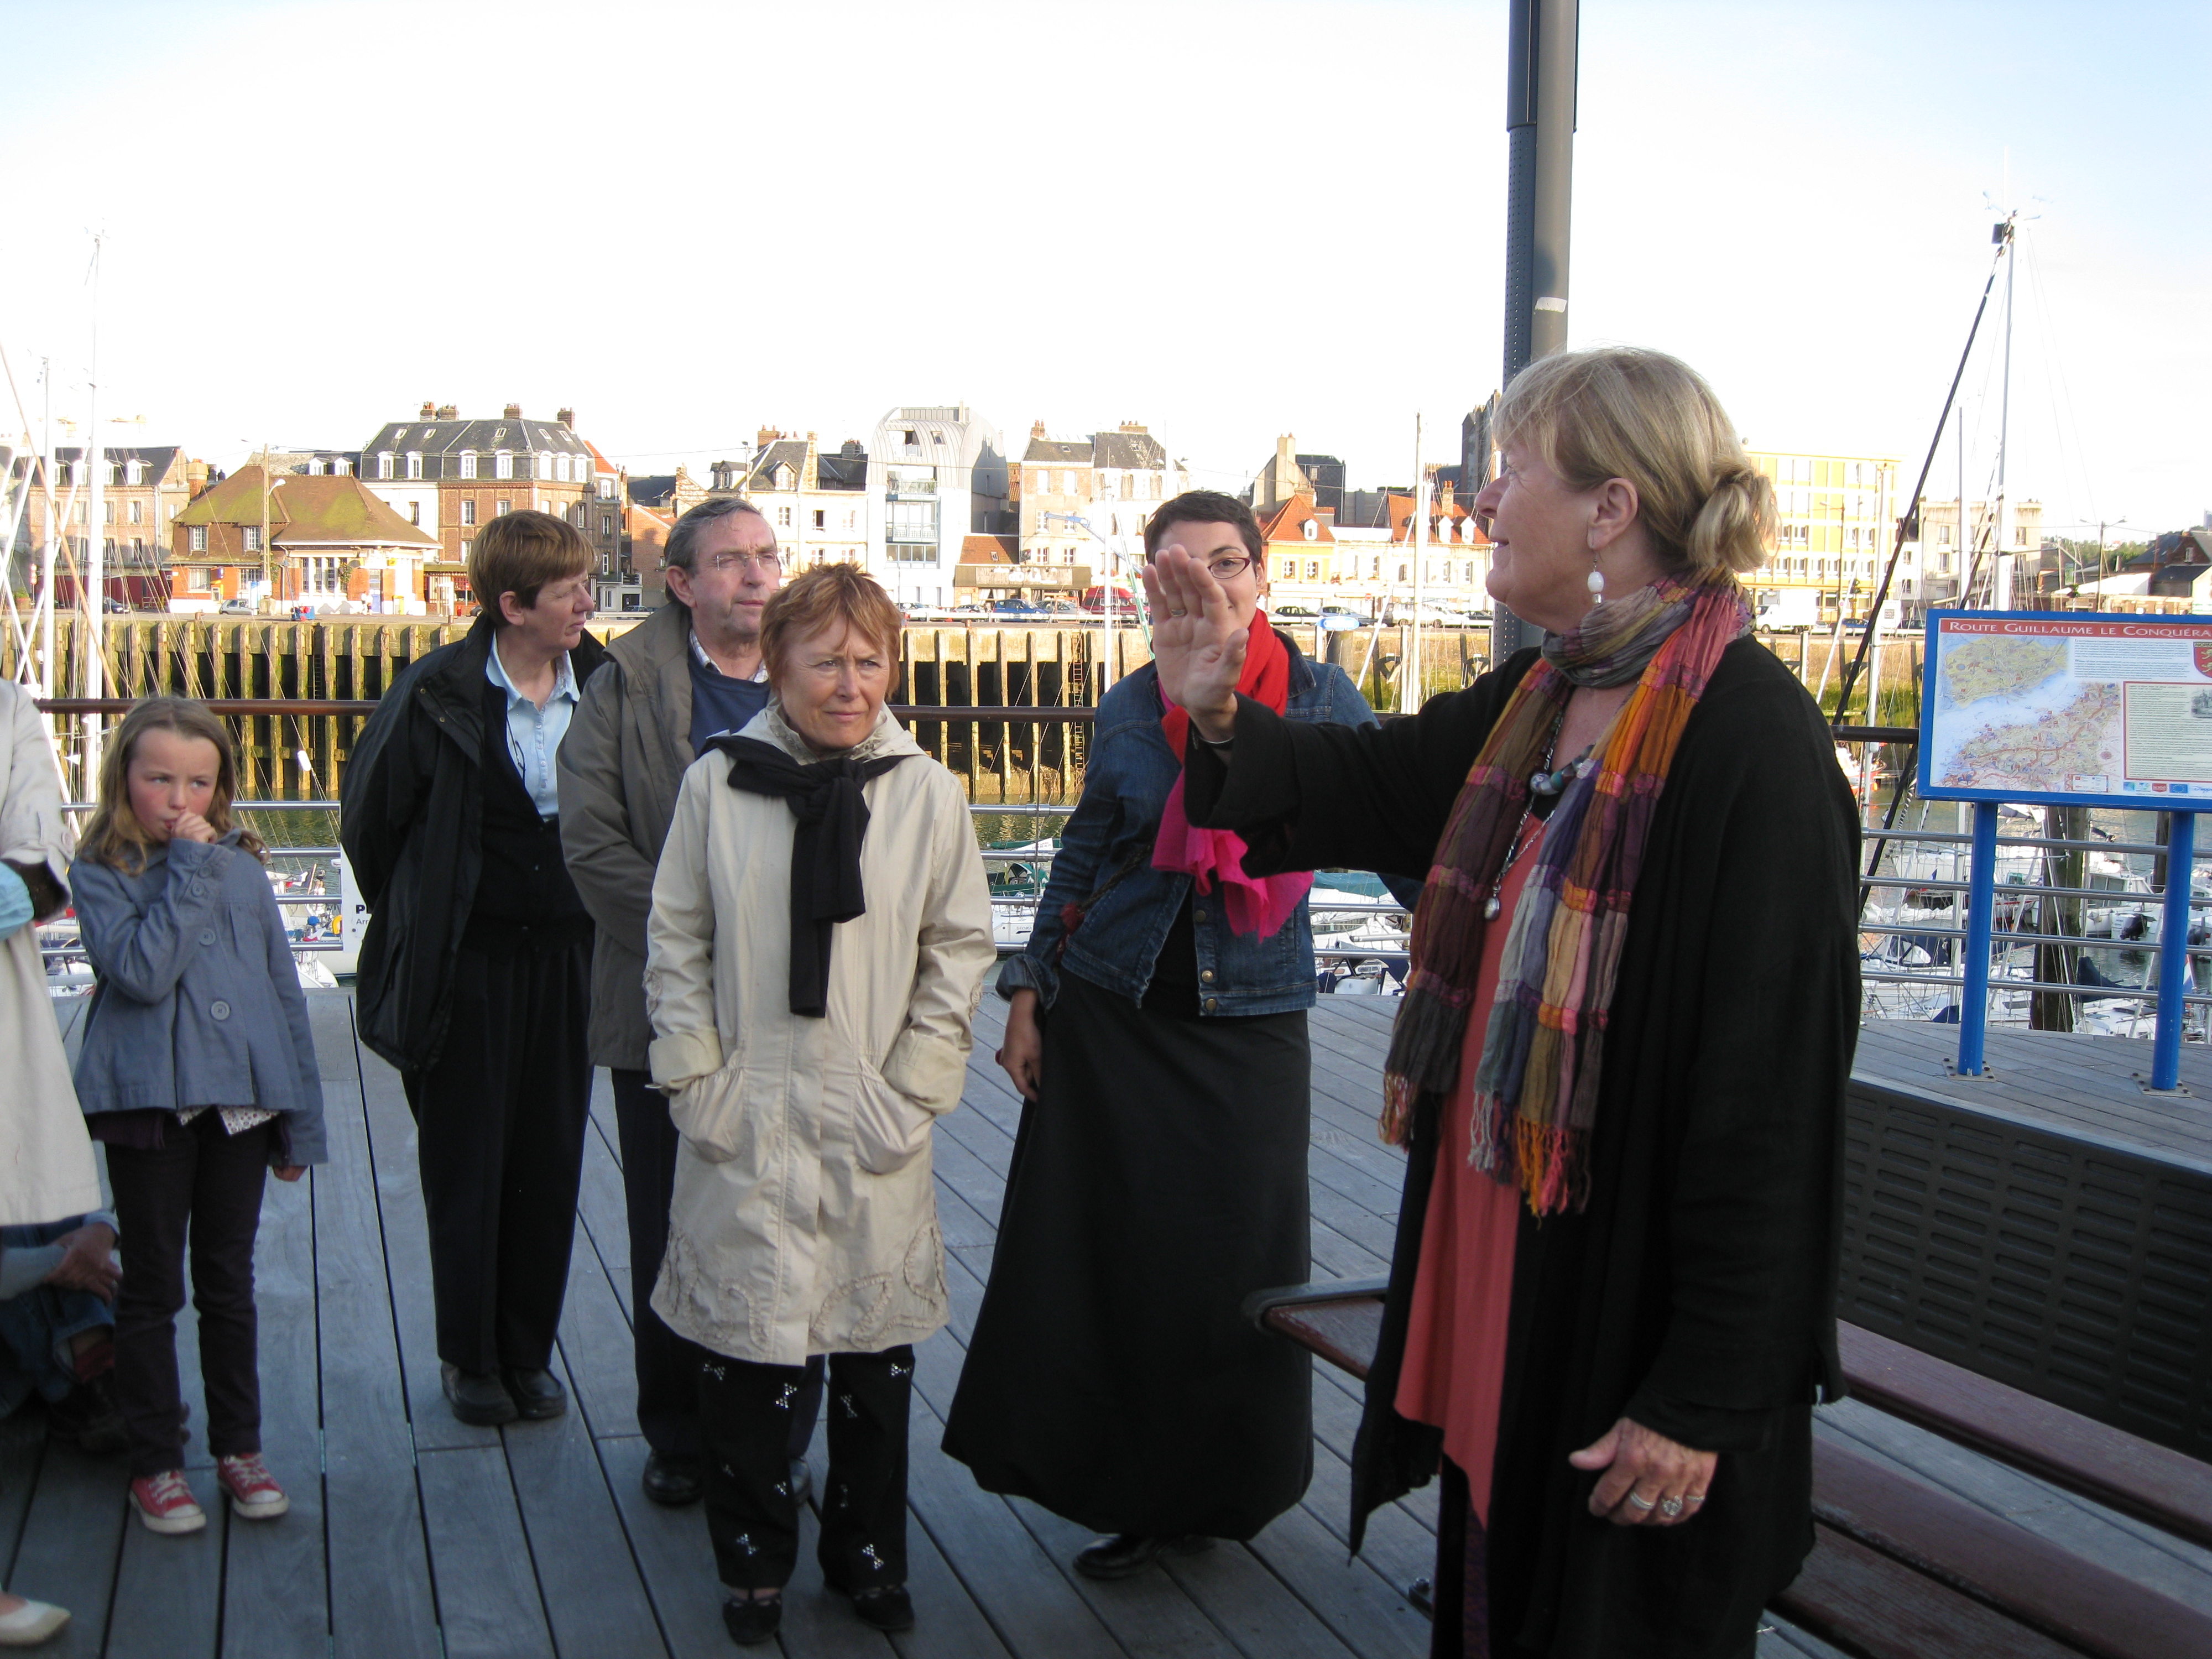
(2181, 796)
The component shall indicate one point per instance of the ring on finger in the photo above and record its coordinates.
(1670, 1507)
(1693, 1498)
(1641, 1501)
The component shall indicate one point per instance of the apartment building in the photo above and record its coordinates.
(816, 501)
(298, 539)
(937, 475)
(142, 494)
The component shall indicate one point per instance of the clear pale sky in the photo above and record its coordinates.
(1227, 220)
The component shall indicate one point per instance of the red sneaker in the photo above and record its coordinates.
(254, 1493)
(166, 1504)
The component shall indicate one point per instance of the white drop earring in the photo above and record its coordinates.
(1596, 581)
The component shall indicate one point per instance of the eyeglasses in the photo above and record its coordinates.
(767, 563)
(1224, 570)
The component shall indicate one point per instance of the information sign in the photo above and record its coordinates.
(2064, 707)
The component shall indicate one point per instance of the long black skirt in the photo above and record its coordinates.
(1159, 1180)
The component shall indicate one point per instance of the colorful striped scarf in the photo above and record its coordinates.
(1535, 1089)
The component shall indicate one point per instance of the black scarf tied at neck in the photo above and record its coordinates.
(825, 849)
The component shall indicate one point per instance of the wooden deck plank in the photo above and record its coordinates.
(168, 1591)
(381, 1602)
(73, 1544)
(595, 1345)
(488, 1598)
(1366, 1612)
(674, 1558)
(1149, 1613)
(594, 1599)
(275, 1585)
(407, 1258)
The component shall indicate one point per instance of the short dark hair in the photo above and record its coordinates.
(682, 552)
(518, 553)
(1202, 507)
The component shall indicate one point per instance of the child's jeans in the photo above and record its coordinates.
(211, 1180)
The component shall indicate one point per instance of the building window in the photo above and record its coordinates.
(607, 489)
(465, 545)
(107, 510)
(502, 466)
(134, 473)
(199, 538)
(468, 511)
(783, 517)
(137, 512)
(250, 536)
(468, 464)
(342, 468)
(606, 522)
(384, 464)
(820, 519)
(414, 513)
(413, 462)
(501, 509)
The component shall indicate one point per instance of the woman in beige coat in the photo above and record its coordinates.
(819, 933)
(47, 1172)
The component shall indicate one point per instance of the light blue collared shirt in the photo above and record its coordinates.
(534, 734)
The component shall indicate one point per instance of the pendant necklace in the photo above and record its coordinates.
(1543, 781)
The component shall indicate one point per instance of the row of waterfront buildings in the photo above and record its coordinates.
(937, 506)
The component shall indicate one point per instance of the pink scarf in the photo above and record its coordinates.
(1212, 858)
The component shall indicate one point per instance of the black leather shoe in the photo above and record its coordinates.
(749, 1622)
(1118, 1557)
(887, 1606)
(478, 1397)
(802, 1482)
(673, 1481)
(538, 1394)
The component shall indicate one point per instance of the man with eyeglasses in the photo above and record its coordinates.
(693, 670)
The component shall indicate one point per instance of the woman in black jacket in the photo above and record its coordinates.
(475, 969)
(1618, 1068)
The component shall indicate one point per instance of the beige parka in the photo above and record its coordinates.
(805, 1219)
(46, 1171)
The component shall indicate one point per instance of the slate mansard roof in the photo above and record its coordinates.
(438, 441)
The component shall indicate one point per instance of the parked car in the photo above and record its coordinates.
(1018, 608)
(1305, 613)
(930, 613)
(237, 608)
(1336, 616)
(114, 607)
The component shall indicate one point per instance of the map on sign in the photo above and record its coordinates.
(2026, 706)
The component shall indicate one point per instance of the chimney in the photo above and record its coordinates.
(1443, 497)
(764, 437)
(567, 418)
(1037, 430)
(1136, 427)
(514, 411)
(196, 479)
(446, 412)
(429, 412)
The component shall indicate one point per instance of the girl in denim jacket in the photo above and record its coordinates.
(199, 1072)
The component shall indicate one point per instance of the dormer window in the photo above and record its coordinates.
(384, 464)
(413, 462)
(502, 466)
(913, 439)
(1313, 530)
(468, 464)
(134, 473)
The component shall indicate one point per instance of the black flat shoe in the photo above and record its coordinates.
(478, 1397)
(887, 1606)
(1119, 1557)
(538, 1394)
(749, 1622)
(673, 1481)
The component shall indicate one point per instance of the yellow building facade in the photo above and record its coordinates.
(1836, 521)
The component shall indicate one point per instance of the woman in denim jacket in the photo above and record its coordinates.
(1157, 1034)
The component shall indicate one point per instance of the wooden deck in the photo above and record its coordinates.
(413, 1536)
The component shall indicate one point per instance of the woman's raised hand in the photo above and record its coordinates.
(1197, 645)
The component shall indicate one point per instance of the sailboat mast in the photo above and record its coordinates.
(1420, 547)
(2003, 565)
(53, 528)
(95, 587)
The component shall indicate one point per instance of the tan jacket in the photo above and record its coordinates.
(803, 1219)
(619, 769)
(46, 1171)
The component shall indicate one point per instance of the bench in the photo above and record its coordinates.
(1900, 1570)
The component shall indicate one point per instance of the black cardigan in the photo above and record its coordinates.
(1695, 1293)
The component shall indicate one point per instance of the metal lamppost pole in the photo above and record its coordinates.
(1540, 125)
(1106, 590)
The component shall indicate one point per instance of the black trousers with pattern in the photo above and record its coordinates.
(744, 1418)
